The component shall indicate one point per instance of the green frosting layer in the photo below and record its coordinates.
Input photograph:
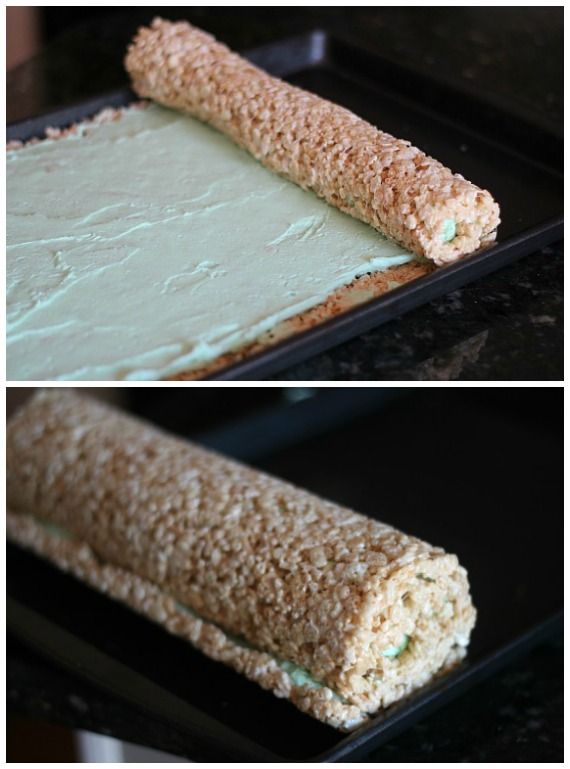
(154, 244)
(448, 231)
(395, 651)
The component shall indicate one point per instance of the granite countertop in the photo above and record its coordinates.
(507, 326)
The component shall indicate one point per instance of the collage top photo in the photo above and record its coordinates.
(287, 194)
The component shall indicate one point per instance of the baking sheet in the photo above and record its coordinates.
(484, 480)
(518, 161)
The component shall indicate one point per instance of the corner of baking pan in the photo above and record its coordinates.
(286, 56)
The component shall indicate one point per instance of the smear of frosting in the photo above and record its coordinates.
(153, 244)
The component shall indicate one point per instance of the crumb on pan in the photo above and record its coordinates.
(80, 128)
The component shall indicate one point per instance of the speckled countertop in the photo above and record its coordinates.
(507, 326)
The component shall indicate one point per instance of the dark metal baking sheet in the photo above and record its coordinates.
(519, 161)
(484, 480)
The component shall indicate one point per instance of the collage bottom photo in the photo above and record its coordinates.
(198, 574)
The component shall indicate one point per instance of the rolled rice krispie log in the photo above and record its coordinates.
(321, 146)
(340, 613)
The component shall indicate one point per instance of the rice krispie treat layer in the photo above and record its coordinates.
(145, 597)
(321, 146)
(342, 602)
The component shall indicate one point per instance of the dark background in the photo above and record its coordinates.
(477, 470)
(507, 326)
(514, 52)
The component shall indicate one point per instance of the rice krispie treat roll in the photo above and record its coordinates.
(340, 613)
(321, 146)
